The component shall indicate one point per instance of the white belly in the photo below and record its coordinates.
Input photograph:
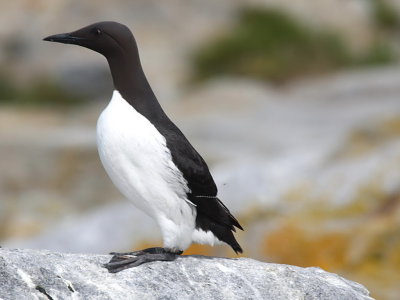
(136, 158)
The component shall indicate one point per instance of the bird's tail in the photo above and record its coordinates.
(214, 216)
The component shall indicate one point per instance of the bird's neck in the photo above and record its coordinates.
(131, 82)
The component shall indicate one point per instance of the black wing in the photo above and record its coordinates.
(189, 162)
(212, 214)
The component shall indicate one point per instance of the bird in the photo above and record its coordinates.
(148, 158)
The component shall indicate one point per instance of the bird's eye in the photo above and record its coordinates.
(97, 31)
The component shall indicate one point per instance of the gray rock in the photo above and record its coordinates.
(40, 274)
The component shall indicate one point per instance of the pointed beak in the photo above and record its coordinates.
(65, 38)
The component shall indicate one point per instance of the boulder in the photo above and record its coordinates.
(41, 274)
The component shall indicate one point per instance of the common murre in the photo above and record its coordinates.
(148, 158)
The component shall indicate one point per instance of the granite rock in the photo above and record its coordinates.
(41, 274)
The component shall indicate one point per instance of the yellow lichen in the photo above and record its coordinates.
(290, 244)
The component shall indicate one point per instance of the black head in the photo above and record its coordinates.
(116, 42)
(107, 38)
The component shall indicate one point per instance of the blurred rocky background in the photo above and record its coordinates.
(295, 105)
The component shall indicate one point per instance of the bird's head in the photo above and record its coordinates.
(107, 38)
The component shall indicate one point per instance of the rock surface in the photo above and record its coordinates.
(40, 274)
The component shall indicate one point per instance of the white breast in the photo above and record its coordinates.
(137, 160)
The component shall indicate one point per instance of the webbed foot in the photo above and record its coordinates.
(126, 260)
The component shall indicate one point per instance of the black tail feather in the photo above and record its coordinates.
(231, 217)
(214, 216)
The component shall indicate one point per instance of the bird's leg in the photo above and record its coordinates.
(122, 261)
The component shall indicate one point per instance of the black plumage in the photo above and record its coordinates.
(116, 42)
(212, 214)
